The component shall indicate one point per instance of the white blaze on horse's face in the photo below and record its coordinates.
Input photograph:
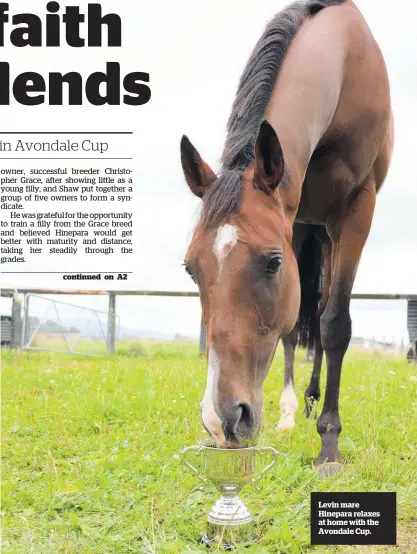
(209, 416)
(226, 239)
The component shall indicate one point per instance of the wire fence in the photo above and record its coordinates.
(386, 322)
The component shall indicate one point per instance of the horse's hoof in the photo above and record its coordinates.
(310, 410)
(310, 413)
(329, 469)
(286, 422)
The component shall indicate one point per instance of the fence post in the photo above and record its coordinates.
(111, 324)
(203, 337)
(16, 321)
(26, 322)
(412, 326)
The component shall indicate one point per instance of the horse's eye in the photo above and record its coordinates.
(273, 265)
(188, 270)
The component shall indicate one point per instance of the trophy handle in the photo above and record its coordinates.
(197, 450)
(261, 450)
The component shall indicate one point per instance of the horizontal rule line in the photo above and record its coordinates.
(65, 158)
(66, 272)
(66, 133)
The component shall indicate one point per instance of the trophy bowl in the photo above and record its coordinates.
(229, 522)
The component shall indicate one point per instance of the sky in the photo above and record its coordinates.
(195, 53)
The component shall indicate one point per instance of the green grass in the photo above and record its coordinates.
(85, 345)
(90, 446)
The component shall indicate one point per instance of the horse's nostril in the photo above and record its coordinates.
(246, 420)
(239, 422)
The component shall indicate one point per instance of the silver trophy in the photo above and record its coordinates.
(229, 522)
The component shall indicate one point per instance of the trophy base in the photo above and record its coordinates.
(229, 523)
(226, 545)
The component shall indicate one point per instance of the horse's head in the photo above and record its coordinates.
(242, 260)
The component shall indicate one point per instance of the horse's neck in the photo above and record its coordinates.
(306, 94)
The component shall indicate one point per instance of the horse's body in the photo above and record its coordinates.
(306, 198)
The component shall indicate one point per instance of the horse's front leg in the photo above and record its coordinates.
(312, 392)
(288, 403)
(348, 235)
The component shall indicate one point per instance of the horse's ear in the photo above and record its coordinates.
(198, 174)
(269, 159)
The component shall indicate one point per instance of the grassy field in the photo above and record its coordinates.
(90, 446)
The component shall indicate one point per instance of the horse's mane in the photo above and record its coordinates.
(253, 95)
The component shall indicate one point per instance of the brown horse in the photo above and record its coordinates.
(288, 211)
